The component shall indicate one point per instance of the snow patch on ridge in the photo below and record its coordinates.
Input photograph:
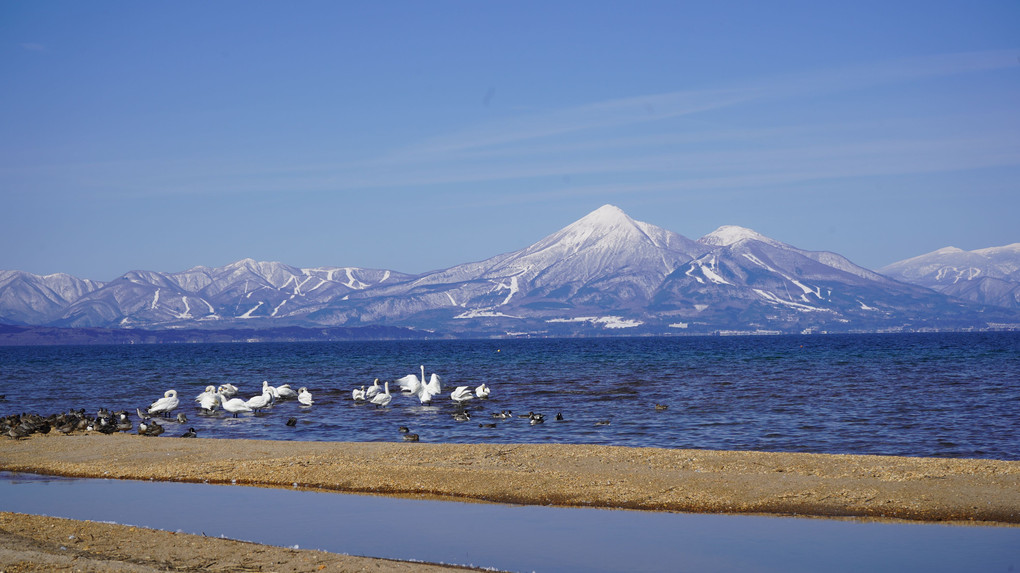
(967, 274)
(484, 313)
(794, 305)
(817, 291)
(278, 307)
(710, 273)
(727, 235)
(612, 322)
(187, 309)
(353, 282)
(513, 287)
(248, 314)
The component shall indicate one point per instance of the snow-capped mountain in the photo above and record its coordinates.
(240, 291)
(749, 280)
(605, 262)
(605, 272)
(987, 276)
(26, 298)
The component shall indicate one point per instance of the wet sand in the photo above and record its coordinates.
(922, 489)
(49, 544)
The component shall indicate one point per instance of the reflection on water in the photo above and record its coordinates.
(516, 538)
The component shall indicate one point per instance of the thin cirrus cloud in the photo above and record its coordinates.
(599, 115)
(657, 107)
(600, 138)
(666, 141)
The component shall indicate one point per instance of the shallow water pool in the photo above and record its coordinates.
(516, 538)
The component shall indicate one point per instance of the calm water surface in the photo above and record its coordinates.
(948, 395)
(518, 538)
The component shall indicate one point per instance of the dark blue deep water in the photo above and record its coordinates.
(946, 395)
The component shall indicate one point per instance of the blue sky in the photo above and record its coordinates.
(418, 135)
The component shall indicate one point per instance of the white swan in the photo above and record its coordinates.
(374, 389)
(482, 391)
(233, 405)
(358, 395)
(411, 383)
(285, 392)
(208, 400)
(272, 389)
(418, 387)
(424, 395)
(461, 394)
(384, 398)
(260, 402)
(434, 385)
(166, 404)
(304, 396)
(229, 390)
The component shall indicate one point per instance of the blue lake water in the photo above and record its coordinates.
(518, 538)
(947, 395)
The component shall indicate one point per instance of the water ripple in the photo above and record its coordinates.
(952, 395)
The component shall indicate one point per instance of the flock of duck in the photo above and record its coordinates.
(225, 397)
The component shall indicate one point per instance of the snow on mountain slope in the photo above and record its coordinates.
(949, 270)
(727, 235)
(604, 260)
(33, 299)
(605, 272)
(241, 291)
(749, 279)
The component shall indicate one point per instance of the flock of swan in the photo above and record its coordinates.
(411, 385)
(225, 397)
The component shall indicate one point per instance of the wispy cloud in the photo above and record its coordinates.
(660, 107)
(33, 47)
(898, 71)
(598, 115)
(657, 142)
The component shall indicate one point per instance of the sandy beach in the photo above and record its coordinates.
(652, 479)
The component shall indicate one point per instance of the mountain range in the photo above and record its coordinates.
(988, 276)
(603, 274)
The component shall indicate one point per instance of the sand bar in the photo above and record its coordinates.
(655, 479)
(48, 544)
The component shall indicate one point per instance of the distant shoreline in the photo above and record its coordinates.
(24, 335)
(14, 335)
(570, 475)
